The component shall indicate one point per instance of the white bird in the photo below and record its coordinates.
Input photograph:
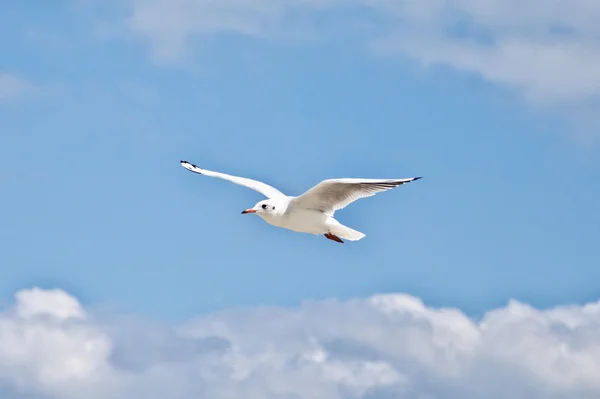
(311, 212)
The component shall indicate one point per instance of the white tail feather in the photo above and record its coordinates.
(347, 233)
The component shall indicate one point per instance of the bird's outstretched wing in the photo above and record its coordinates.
(333, 194)
(261, 187)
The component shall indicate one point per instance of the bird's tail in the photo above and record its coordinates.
(346, 232)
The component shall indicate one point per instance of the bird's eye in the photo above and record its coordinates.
(273, 208)
(264, 206)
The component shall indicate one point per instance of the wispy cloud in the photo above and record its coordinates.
(13, 86)
(548, 50)
(378, 348)
(545, 49)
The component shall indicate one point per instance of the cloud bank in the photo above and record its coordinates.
(383, 347)
(546, 49)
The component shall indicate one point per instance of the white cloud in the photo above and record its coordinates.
(13, 86)
(387, 346)
(53, 303)
(547, 49)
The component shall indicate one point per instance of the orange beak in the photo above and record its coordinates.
(248, 211)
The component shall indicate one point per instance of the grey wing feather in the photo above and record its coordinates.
(334, 194)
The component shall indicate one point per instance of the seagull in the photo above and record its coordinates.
(312, 212)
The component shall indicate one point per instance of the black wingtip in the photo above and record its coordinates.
(191, 167)
(183, 163)
(417, 178)
(187, 164)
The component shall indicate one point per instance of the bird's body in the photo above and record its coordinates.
(311, 212)
(308, 221)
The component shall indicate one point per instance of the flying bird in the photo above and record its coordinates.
(312, 212)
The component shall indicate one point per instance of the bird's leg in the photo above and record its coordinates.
(333, 237)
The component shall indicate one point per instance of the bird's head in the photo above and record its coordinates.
(269, 207)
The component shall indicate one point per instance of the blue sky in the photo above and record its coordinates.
(99, 102)
(98, 202)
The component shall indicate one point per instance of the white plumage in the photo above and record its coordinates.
(311, 212)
